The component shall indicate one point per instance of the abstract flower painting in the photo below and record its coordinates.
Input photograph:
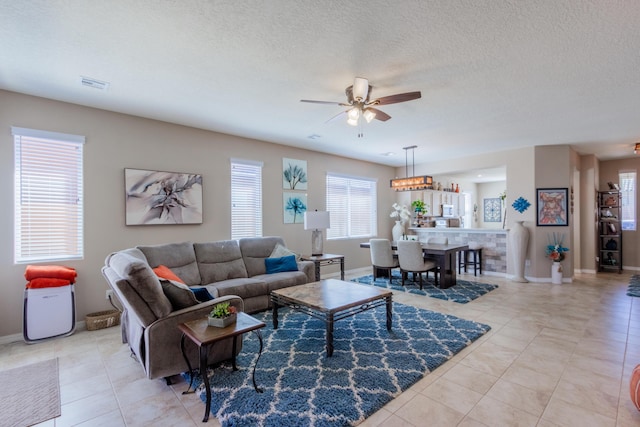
(294, 206)
(294, 174)
(154, 197)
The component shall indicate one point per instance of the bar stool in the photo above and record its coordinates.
(464, 261)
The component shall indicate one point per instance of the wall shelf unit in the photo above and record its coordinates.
(609, 231)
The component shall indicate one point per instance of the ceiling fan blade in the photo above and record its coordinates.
(336, 117)
(324, 102)
(394, 99)
(380, 115)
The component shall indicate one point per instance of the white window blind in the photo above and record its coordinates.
(48, 202)
(246, 199)
(351, 202)
(628, 193)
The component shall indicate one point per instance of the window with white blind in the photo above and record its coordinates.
(628, 193)
(48, 197)
(351, 202)
(246, 198)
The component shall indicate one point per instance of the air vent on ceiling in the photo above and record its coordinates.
(96, 84)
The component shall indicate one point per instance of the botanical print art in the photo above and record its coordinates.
(294, 206)
(154, 197)
(294, 174)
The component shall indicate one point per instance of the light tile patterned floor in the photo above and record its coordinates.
(558, 355)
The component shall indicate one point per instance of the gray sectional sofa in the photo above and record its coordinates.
(230, 270)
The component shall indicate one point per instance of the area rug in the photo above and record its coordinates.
(30, 394)
(463, 292)
(634, 286)
(369, 367)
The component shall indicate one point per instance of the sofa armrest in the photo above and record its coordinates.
(308, 268)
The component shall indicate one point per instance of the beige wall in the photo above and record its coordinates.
(117, 141)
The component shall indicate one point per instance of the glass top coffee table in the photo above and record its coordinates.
(331, 300)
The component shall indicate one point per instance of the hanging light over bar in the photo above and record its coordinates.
(423, 182)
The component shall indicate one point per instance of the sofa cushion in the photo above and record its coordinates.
(179, 257)
(202, 294)
(164, 272)
(282, 280)
(255, 249)
(142, 279)
(219, 261)
(179, 294)
(244, 288)
(280, 250)
(278, 265)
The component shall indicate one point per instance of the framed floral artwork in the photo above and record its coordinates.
(294, 174)
(551, 207)
(294, 205)
(160, 198)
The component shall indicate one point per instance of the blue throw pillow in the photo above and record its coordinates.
(278, 265)
(202, 294)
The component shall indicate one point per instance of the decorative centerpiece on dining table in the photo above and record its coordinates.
(402, 215)
(222, 315)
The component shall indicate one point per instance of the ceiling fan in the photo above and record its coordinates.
(360, 105)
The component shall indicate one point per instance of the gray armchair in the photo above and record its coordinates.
(412, 260)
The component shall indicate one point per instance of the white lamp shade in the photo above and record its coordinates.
(316, 220)
(360, 88)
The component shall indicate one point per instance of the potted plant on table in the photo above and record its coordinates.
(222, 315)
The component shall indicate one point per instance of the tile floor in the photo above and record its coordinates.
(557, 355)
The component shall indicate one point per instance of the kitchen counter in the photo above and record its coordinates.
(493, 242)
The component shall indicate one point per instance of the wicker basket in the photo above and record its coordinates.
(102, 319)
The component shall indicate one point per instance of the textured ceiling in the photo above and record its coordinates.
(493, 74)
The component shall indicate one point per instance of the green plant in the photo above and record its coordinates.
(222, 310)
(419, 206)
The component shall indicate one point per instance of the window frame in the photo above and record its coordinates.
(48, 202)
(251, 203)
(626, 203)
(348, 215)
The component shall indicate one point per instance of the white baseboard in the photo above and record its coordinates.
(8, 339)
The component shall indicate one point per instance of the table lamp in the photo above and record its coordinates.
(316, 221)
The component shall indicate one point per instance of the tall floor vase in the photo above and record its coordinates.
(397, 231)
(519, 236)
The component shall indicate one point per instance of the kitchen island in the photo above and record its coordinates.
(493, 242)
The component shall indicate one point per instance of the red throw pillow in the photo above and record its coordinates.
(165, 272)
(634, 386)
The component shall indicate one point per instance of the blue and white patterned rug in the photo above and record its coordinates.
(369, 367)
(634, 286)
(463, 292)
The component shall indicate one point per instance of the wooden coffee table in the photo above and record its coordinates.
(331, 300)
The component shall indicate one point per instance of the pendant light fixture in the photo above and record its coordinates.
(422, 182)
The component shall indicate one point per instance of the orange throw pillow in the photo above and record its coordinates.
(165, 272)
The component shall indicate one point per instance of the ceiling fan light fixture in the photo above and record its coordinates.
(637, 148)
(354, 113)
(360, 89)
(352, 122)
(369, 115)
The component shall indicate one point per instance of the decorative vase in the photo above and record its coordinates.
(397, 231)
(519, 235)
(556, 273)
(222, 322)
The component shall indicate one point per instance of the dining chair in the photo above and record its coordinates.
(438, 240)
(382, 257)
(412, 260)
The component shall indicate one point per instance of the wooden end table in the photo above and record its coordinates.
(325, 259)
(203, 335)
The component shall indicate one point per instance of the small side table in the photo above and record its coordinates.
(203, 335)
(325, 259)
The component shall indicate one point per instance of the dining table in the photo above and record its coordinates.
(443, 254)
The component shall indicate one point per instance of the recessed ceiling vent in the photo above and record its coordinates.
(96, 84)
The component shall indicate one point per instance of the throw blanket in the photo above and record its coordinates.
(46, 282)
(50, 272)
